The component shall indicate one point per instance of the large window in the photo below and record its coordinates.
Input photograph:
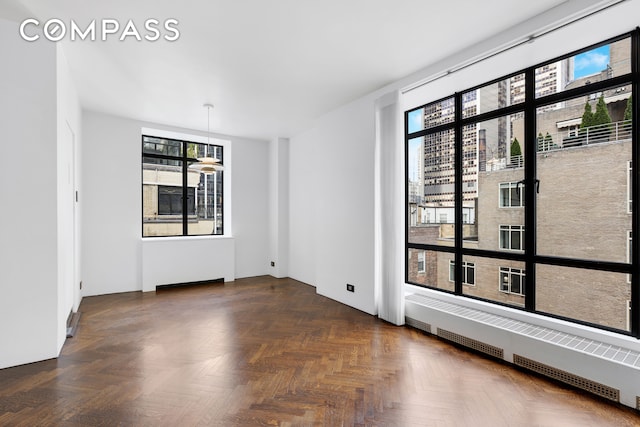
(556, 141)
(177, 198)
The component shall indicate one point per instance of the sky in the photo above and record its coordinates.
(415, 120)
(415, 123)
(413, 158)
(591, 62)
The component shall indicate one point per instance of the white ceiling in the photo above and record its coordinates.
(270, 67)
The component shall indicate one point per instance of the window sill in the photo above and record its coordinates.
(541, 320)
(183, 238)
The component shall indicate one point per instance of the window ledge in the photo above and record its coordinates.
(540, 320)
(184, 238)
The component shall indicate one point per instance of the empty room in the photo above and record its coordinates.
(320, 213)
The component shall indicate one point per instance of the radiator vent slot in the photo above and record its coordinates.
(638, 403)
(471, 343)
(418, 324)
(568, 378)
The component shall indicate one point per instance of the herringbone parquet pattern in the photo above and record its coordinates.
(269, 352)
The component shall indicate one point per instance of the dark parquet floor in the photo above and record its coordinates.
(271, 352)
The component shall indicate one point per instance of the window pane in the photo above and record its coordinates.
(197, 150)
(161, 197)
(585, 120)
(583, 192)
(439, 158)
(436, 269)
(471, 276)
(595, 65)
(515, 239)
(494, 280)
(492, 160)
(505, 281)
(208, 202)
(207, 218)
(515, 282)
(504, 238)
(505, 197)
(421, 259)
(598, 297)
(517, 195)
(431, 179)
(432, 115)
(494, 96)
(167, 147)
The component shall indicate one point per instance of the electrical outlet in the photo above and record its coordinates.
(351, 288)
(273, 264)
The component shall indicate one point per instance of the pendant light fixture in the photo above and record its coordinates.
(207, 165)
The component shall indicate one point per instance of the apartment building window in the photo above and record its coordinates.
(178, 199)
(421, 268)
(574, 197)
(512, 280)
(468, 272)
(512, 237)
(511, 195)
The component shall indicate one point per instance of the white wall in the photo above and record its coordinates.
(68, 123)
(304, 167)
(332, 205)
(279, 207)
(28, 219)
(250, 192)
(112, 203)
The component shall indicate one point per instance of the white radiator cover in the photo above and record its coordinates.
(168, 260)
(584, 355)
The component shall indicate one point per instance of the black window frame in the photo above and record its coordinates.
(529, 256)
(184, 161)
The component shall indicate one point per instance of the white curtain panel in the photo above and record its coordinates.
(389, 217)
